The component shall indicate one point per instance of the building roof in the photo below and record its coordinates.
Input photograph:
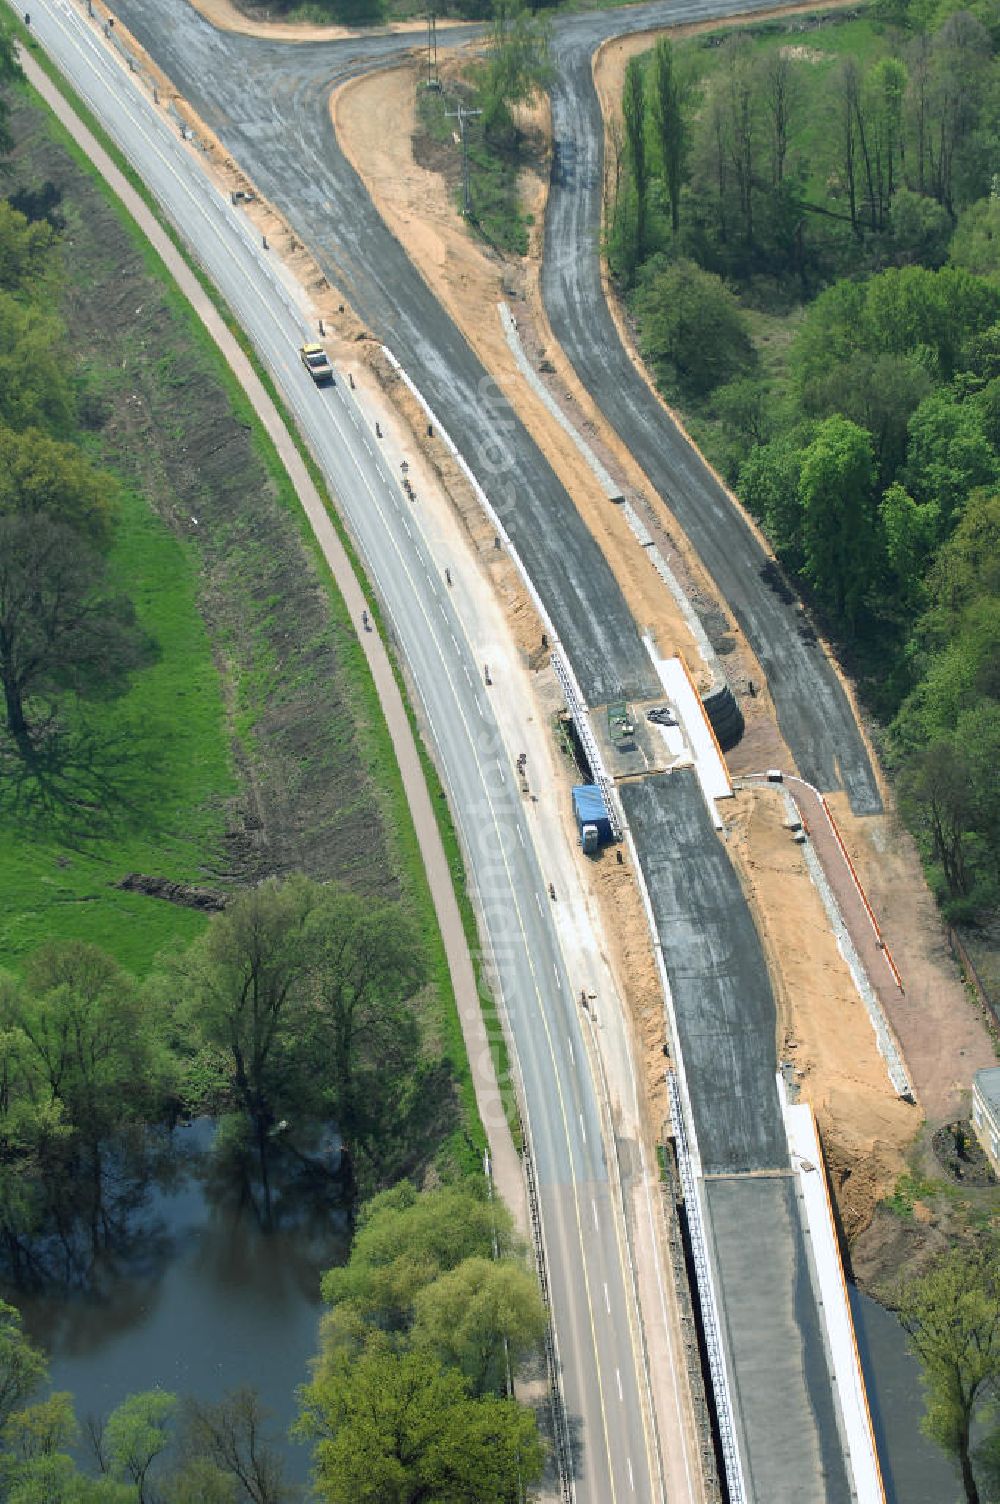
(987, 1083)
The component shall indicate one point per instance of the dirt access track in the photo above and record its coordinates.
(825, 1028)
(469, 281)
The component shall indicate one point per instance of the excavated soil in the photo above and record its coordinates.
(826, 1029)
(470, 281)
(823, 1027)
(940, 1027)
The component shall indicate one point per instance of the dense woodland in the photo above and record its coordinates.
(804, 220)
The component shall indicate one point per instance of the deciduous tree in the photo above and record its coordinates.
(482, 1317)
(397, 1427)
(40, 476)
(692, 328)
(952, 1315)
(230, 1437)
(517, 66)
(63, 624)
(668, 117)
(404, 1240)
(838, 533)
(22, 1367)
(25, 248)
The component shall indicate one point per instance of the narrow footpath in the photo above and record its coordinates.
(505, 1161)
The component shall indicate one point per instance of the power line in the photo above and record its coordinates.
(433, 81)
(462, 115)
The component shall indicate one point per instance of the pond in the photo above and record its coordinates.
(913, 1469)
(206, 1299)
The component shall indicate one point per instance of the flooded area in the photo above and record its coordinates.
(205, 1298)
(913, 1469)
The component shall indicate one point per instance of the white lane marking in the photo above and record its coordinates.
(366, 444)
(572, 1057)
(520, 835)
(607, 1298)
(628, 1464)
(467, 674)
(555, 968)
(443, 611)
(593, 1207)
(500, 770)
(618, 1380)
(406, 525)
(582, 1128)
(539, 903)
(284, 371)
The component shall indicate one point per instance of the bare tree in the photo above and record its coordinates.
(955, 89)
(232, 1435)
(780, 92)
(848, 88)
(613, 168)
(919, 59)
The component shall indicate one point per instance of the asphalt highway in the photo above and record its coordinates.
(593, 1315)
(814, 713)
(268, 102)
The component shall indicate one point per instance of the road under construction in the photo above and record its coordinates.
(789, 1419)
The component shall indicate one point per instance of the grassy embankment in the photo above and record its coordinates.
(180, 718)
(496, 213)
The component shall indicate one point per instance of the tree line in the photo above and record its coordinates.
(300, 1006)
(855, 209)
(429, 1323)
(65, 623)
(67, 628)
(755, 155)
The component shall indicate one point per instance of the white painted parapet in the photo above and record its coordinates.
(807, 1161)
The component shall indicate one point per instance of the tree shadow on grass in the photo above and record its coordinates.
(81, 783)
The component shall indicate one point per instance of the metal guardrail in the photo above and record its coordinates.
(560, 1426)
(706, 1296)
(581, 719)
(575, 703)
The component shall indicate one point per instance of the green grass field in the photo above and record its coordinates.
(142, 786)
(163, 749)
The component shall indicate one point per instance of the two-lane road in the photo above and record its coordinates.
(594, 1319)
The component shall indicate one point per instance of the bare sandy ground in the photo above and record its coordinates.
(943, 1034)
(470, 282)
(844, 1074)
(228, 17)
(823, 1026)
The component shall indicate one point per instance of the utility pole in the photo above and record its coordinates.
(433, 81)
(462, 115)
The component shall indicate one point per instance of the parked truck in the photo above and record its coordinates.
(592, 818)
